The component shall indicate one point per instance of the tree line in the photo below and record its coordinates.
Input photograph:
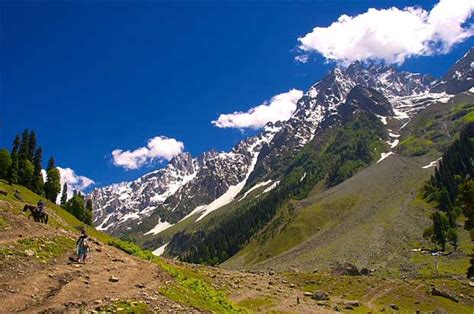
(451, 187)
(23, 165)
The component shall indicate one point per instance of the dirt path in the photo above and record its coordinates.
(62, 286)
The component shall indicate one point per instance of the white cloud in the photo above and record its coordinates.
(279, 108)
(392, 34)
(158, 148)
(72, 180)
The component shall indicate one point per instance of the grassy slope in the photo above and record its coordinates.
(189, 287)
(372, 220)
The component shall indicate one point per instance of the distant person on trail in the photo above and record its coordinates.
(82, 247)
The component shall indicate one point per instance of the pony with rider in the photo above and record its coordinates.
(37, 212)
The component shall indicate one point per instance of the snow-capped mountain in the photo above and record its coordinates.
(201, 185)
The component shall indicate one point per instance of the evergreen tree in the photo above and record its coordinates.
(52, 187)
(37, 184)
(13, 172)
(76, 207)
(5, 163)
(89, 204)
(31, 146)
(64, 196)
(24, 176)
(440, 229)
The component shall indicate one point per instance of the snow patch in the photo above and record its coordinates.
(271, 187)
(384, 155)
(256, 186)
(432, 164)
(383, 119)
(304, 176)
(159, 251)
(161, 226)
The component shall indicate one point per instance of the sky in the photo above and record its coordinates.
(114, 89)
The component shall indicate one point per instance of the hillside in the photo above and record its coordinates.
(374, 219)
(36, 277)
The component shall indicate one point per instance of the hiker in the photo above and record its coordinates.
(82, 247)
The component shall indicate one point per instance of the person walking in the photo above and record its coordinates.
(82, 247)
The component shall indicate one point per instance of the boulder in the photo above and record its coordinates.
(347, 269)
(320, 296)
(351, 304)
(441, 293)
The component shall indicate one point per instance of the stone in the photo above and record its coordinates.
(347, 269)
(351, 303)
(271, 273)
(29, 252)
(292, 285)
(113, 279)
(394, 306)
(471, 283)
(307, 294)
(320, 296)
(441, 293)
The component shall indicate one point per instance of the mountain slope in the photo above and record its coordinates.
(213, 186)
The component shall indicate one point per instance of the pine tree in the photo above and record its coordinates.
(13, 172)
(76, 207)
(440, 229)
(5, 163)
(52, 187)
(89, 204)
(64, 196)
(37, 184)
(24, 176)
(31, 146)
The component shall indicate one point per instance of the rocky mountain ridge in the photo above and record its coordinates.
(190, 185)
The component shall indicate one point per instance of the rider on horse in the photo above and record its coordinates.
(40, 207)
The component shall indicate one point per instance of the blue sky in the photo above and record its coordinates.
(90, 78)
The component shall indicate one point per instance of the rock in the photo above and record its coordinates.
(113, 279)
(29, 252)
(351, 303)
(118, 260)
(346, 269)
(394, 306)
(140, 286)
(322, 303)
(440, 311)
(320, 296)
(471, 283)
(337, 308)
(367, 272)
(437, 292)
(292, 285)
(271, 273)
(307, 294)
(98, 249)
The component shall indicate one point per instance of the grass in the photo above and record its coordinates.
(188, 288)
(44, 249)
(414, 146)
(257, 303)
(126, 307)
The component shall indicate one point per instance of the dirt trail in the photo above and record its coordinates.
(65, 287)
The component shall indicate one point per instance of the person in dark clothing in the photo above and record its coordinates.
(40, 206)
(82, 247)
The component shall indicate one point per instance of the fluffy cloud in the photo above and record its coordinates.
(279, 108)
(72, 180)
(157, 149)
(392, 34)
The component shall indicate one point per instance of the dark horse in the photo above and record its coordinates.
(37, 216)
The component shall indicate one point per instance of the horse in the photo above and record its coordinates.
(37, 216)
